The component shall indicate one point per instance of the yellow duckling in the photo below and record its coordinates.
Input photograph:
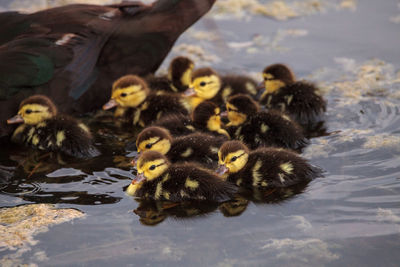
(208, 85)
(300, 99)
(263, 167)
(136, 104)
(43, 129)
(261, 128)
(178, 79)
(158, 179)
(198, 147)
(206, 117)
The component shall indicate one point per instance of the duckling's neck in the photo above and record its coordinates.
(194, 101)
(272, 87)
(224, 132)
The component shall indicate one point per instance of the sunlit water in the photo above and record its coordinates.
(349, 217)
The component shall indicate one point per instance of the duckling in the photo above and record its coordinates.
(263, 167)
(43, 129)
(300, 99)
(208, 85)
(198, 147)
(158, 179)
(261, 128)
(205, 117)
(178, 79)
(135, 102)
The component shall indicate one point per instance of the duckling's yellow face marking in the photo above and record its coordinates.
(235, 117)
(129, 97)
(234, 161)
(206, 87)
(271, 84)
(152, 169)
(34, 113)
(214, 122)
(156, 144)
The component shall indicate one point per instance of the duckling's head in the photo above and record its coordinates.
(207, 116)
(34, 110)
(232, 157)
(180, 72)
(276, 76)
(154, 138)
(205, 84)
(150, 165)
(239, 108)
(128, 91)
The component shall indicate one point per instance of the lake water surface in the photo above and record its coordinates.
(350, 217)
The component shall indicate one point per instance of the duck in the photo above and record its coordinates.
(178, 78)
(302, 100)
(265, 167)
(197, 147)
(206, 117)
(74, 52)
(158, 179)
(257, 127)
(207, 84)
(43, 129)
(138, 105)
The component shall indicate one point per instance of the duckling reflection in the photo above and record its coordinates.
(237, 205)
(152, 212)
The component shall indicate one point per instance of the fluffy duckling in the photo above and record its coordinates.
(205, 117)
(300, 99)
(208, 85)
(135, 102)
(198, 147)
(261, 128)
(43, 129)
(178, 79)
(158, 179)
(264, 167)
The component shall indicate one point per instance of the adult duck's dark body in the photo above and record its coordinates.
(73, 53)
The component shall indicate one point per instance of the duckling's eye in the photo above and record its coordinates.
(148, 146)
(152, 167)
(28, 111)
(123, 94)
(233, 158)
(202, 83)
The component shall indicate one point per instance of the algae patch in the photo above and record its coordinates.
(19, 224)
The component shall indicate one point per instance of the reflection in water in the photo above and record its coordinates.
(152, 212)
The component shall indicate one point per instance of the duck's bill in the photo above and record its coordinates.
(110, 104)
(221, 170)
(139, 178)
(135, 159)
(224, 114)
(189, 92)
(15, 119)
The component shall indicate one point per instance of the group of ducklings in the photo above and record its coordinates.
(186, 151)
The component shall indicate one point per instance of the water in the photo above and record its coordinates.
(349, 217)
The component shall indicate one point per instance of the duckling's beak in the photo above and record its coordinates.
(189, 92)
(135, 159)
(224, 114)
(139, 178)
(110, 104)
(16, 119)
(222, 169)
